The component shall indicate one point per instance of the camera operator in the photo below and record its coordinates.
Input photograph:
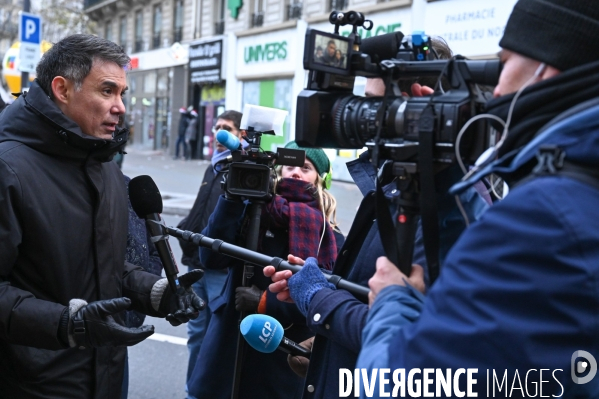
(518, 290)
(335, 315)
(300, 219)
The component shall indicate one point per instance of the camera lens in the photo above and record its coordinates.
(250, 180)
(355, 119)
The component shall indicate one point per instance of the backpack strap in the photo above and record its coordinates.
(551, 162)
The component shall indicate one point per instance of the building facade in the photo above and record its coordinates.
(220, 54)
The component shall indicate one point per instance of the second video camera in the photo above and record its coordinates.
(250, 171)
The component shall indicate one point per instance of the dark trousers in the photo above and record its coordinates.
(181, 140)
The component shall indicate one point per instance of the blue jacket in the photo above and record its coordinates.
(518, 290)
(335, 315)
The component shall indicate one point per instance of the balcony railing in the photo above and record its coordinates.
(257, 19)
(219, 27)
(294, 11)
(177, 35)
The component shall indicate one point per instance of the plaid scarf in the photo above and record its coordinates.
(295, 207)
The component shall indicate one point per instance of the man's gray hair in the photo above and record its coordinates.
(73, 58)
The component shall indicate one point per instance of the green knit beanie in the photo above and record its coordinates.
(316, 155)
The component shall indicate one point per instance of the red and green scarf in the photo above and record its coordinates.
(296, 207)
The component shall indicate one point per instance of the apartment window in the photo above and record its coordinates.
(157, 26)
(258, 15)
(108, 31)
(178, 21)
(294, 10)
(337, 5)
(123, 31)
(139, 20)
(219, 25)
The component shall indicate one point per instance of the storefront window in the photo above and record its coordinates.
(273, 94)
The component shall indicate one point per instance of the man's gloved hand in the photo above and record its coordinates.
(306, 283)
(247, 299)
(299, 364)
(183, 306)
(91, 325)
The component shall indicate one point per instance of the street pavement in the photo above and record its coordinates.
(158, 365)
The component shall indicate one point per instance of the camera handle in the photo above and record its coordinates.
(255, 213)
(397, 232)
(416, 184)
(354, 18)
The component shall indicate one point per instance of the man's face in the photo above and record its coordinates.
(97, 105)
(224, 124)
(331, 49)
(517, 70)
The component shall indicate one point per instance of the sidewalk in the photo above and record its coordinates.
(179, 182)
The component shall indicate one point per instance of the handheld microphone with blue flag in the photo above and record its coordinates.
(265, 334)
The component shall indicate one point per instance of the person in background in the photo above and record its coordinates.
(186, 116)
(300, 219)
(210, 286)
(190, 134)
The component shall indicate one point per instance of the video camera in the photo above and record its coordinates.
(339, 119)
(250, 171)
(410, 139)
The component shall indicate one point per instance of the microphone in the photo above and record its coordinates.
(382, 47)
(147, 203)
(227, 139)
(265, 334)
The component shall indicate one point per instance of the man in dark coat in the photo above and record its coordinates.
(63, 231)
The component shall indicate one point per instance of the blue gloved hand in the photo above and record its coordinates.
(306, 283)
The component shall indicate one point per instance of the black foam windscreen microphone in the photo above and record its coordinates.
(147, 203)
(382, 47)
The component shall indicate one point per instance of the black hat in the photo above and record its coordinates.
(560, 33)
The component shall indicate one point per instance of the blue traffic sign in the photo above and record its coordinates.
(31, 28)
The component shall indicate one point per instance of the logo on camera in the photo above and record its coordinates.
(583, 367)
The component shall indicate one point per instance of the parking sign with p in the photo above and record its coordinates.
(30, 36)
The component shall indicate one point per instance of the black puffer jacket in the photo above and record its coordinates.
(63, 233)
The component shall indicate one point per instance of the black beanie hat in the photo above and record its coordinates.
(560, 33)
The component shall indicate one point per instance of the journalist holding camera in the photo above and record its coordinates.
(299, 219)
(517, 293)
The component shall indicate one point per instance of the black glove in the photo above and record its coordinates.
(299, 364)
(92, 325)
(247, 298)
(183, 306)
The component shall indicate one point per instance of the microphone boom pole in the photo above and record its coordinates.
(262, 260)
